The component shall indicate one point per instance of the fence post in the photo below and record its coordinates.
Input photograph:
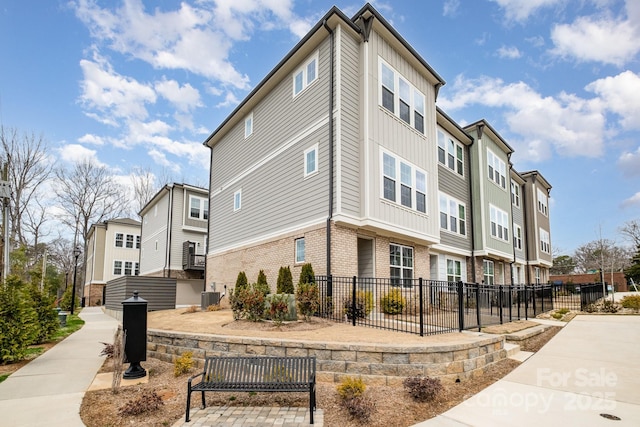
(353, 301)
(460, 307)
(500, 302)
(535, 306)
(329, 303)
(511, 303)
(421, 306)
(526, 303)
(542, 299)
(478, 306)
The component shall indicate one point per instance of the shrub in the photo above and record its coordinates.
(631, 301)
(147, 402)
(65, 302)
(360, 408)
(234, 297)
(183, 364)
(251, 303)
(241, 281)
(393, 302)
(307, 275)
(262, 284)
(422, 389)
(214, 307)
(351, 387)
(17, 321)
(308, 299)
(278, 308)
(47, 323)
(563, 311)
(191, 309)
(363, 307)
(609, 306)
(285, 281)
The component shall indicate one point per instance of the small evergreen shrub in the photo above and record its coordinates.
(631, 301)
(363, 307)
(351, 387)
(183, 364)
(234, 297)
(307, 275)
(46, 318)
(422, 389)
(262, 284)
(241, 281)
(284, 284)
(18, 321)
(249, 303)
(609, 306)
(393, 302)
(278, 308)
(149, 401)
(308, 299)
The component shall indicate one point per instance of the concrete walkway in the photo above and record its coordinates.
(589, 368)
(48, 391)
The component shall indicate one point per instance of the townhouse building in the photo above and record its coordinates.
(339, 157)
(113, 249)
(536, 191)
(174, 238)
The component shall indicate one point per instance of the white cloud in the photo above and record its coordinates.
(566, 124)
(185, 97)
(510, 52)
(629, 163)
(536, 41)
(91, 139)
(621, 96)
(74, 153)
(632, 201)
(606, 40)
(450, 7)
(520, 10)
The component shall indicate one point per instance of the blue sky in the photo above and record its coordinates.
(135, 83)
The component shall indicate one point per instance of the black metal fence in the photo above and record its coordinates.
(428, 307)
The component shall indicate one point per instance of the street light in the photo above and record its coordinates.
(76, 254)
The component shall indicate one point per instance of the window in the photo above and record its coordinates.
(237, 200)
(198, 208)
(311, 160)
(127, 268)
(515, 194)
(497, 169)
(305, 75)
(119, 240)
(545, 244)
(517, 237)
(401, 264)
(130, 241)
(409, 103)
(499, 223)
(487, 266)
(452, 215)
(136, 272)
(300, 250)
(117, 268)
(137, 242)
(454, 270)
(248, 125)
(536, 271)
(450, 153)
(410, 190)
(542, 203)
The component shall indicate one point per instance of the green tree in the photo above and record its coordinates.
(262, 284)
(284, 285)
(307, 275)
(562, 264)
(46, 318)
(18, 321)
(633, 272)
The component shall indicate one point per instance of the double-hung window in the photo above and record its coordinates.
(401, 264)
(497, 169)
(119, 240)
(311, 160)
(198, 208)
(300, 247)
(542, 203)
(517, 236)
(129, 243)
(487, 266)
(515, 194)
(401, 98)
(306, 74)
(454, 270)
(450, 153)
(136, 270)
(127, 268)
(545, 243)
(499, 223)
(137, 242)
(403, 183)
(452, 215)
(117, 268)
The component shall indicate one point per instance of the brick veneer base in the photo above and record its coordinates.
(382, 364)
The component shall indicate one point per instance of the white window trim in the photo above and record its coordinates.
(543, 203)
(114, 268)
(402, 267)
(448, 199)
(313, 148)
(446, 137)
(485, 263)
(454, 262)
(502, 220)
(201, 209)
(237, 196)
(414, 93)
(545, 241)
(248, 125)
(502, 173)
(398, 183)
(115, 240)
(515, 194)
(303, 69)
(297, 258)
(517, 237)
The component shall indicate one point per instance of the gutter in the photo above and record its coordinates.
(331, 102)
(167, 258)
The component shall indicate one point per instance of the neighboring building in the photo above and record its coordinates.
(113, 250)
(340, 158)
(536, 191)
(619, 281)
(174, 237)
(519, 267)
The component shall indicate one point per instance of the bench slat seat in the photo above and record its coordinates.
(256, 374)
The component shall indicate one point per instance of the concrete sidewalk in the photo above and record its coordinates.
(589, 368)
(48, 391)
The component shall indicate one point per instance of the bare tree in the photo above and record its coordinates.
(602, 254)
(28, 168)
(88, 194)
(631, 231)
(144, 187)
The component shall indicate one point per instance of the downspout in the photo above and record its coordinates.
(482, 227)
(206, 246)
(513, 229)
(526, 234)
(331, 84)
(167, 265)
(471, 216)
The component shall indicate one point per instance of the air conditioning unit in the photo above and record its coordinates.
(209, 298)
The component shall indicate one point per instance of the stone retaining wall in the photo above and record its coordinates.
(384, 364)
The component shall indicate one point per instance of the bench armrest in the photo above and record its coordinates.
(195, 376)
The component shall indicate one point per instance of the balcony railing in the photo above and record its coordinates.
(194, 262)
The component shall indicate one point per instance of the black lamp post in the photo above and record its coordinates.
(76, 254)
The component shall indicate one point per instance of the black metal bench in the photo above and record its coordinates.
(255, 374)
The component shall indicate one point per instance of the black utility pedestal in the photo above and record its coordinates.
(134, 325)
